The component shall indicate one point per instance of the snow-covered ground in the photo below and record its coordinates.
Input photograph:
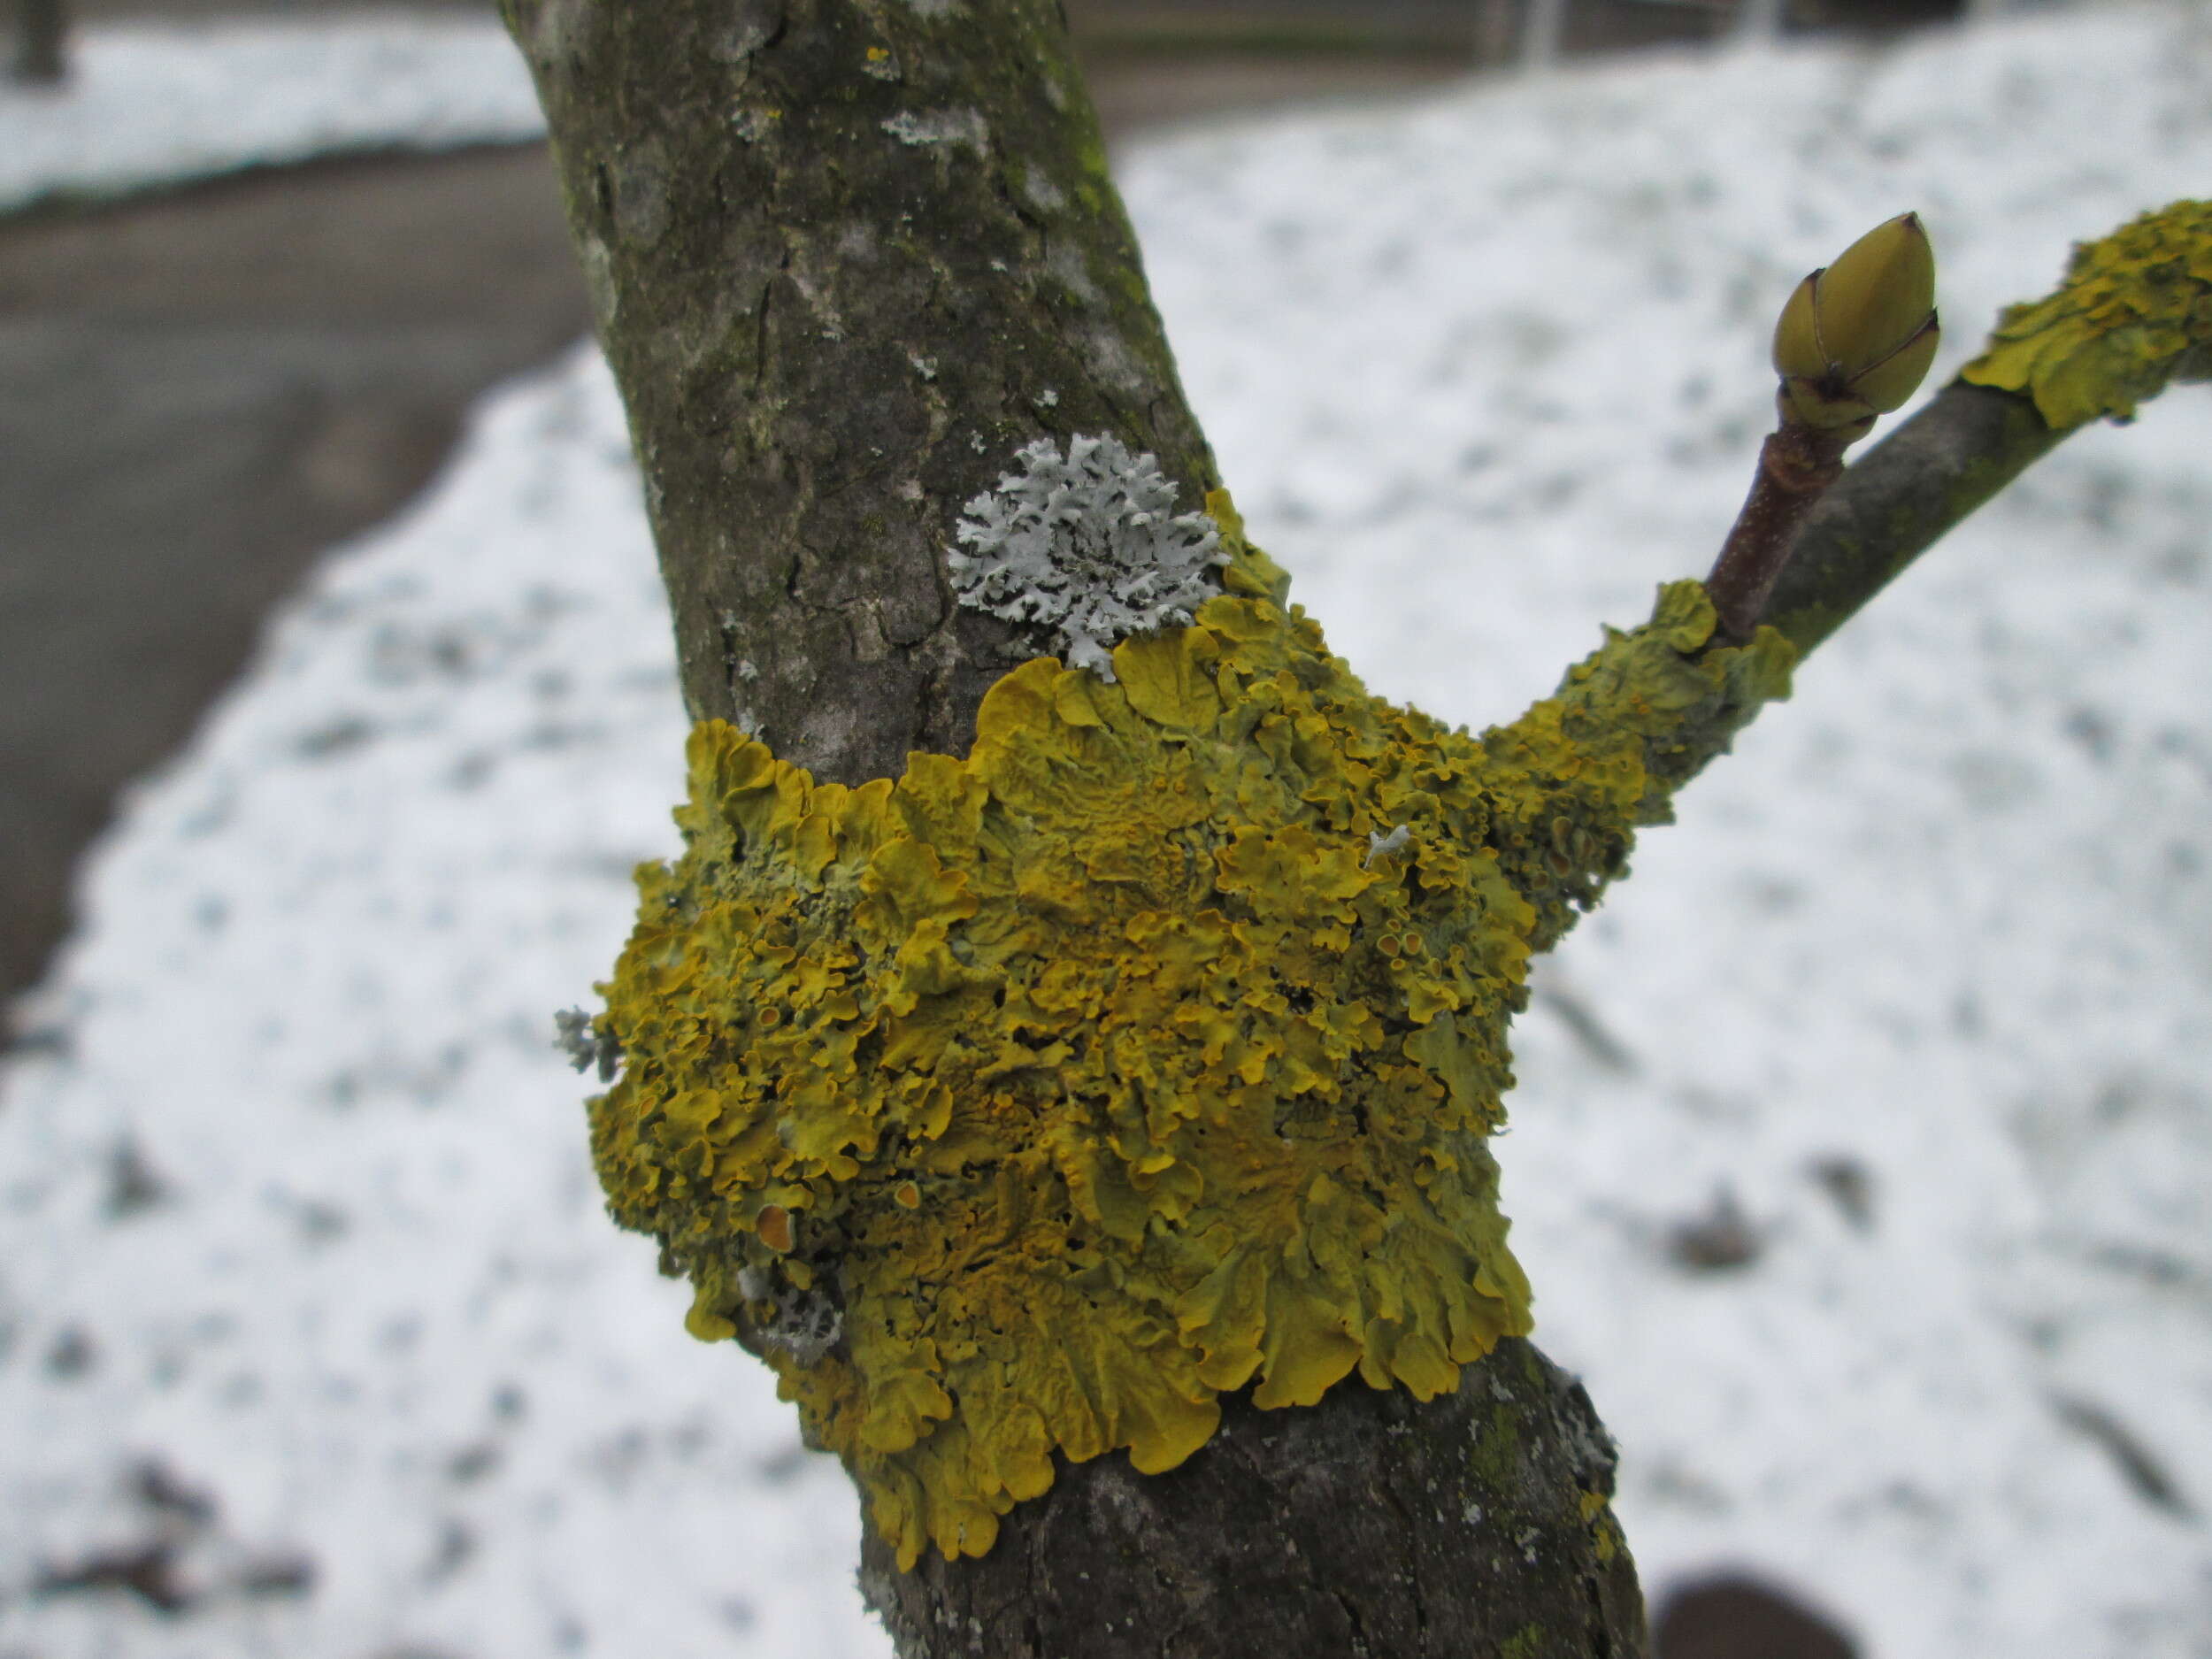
(151, 104)
(303, 1276)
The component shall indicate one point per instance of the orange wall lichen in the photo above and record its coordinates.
(1029, 1103)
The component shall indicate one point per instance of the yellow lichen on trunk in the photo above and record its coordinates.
(1028, 1103)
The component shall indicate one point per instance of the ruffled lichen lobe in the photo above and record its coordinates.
(2135, 314)
(1030, 1101)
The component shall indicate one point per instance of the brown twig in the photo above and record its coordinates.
(1894, 503)
(1796, 465)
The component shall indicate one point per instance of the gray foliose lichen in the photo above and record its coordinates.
(1087, 545)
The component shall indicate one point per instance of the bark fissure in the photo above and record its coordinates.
(1357, 1629)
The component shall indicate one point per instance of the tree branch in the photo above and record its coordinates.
(1962, 446)
(2133, 316)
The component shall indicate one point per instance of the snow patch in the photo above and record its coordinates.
(151, 105)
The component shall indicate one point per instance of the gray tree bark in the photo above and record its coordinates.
(1493, 32)
(1368, 1525)
(1964, 446)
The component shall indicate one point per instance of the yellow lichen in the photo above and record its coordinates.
(2134, 312)
(1028, 1103)
(1605, 1532)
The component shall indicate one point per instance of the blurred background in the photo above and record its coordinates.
(213, 370)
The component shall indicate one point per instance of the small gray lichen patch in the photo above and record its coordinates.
(598, 265)
(641, 207)
(1066, 262)
(586, 1047)
(1044, 195)
(752, 126)
(1088, 545)
(941, 127)
(806, 1323)
(1382, 846)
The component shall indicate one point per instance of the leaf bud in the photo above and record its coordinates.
(1857, 337)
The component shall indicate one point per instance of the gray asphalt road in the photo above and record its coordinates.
(198, 395)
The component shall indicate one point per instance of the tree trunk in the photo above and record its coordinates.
(43, 32)
(1543, 26)
(847, 257)
(1758, 22)
(1493, 33)
(1368, 1525)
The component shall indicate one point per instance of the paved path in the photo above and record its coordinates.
(198, 395)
